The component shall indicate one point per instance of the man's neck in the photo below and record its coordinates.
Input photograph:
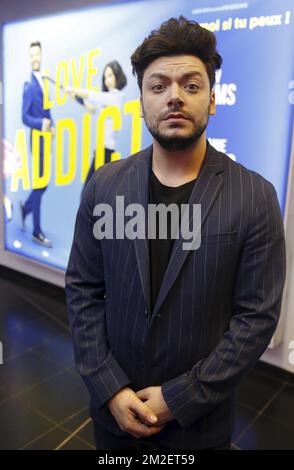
(174, 168)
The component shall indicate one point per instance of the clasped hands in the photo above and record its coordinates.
(141, 413)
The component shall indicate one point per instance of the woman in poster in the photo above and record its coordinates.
(113, 81)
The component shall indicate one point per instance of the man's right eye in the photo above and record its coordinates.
(157, 87)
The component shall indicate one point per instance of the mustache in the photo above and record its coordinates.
(174, 109)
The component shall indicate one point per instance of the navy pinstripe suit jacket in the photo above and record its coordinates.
(216, 311)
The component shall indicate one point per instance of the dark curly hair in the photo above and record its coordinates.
(36, 43)
(176, 37)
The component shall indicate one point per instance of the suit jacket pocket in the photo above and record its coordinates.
(219, 238)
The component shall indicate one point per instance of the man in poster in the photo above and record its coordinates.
(36, 117)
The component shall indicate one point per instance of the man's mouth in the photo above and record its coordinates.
(175, 116)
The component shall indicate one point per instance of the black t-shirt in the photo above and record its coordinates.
(160, 249)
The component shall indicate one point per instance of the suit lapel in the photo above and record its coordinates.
(139, 193)
(36, 84)
(204, 192)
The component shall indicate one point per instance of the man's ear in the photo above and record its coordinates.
(141, 108)
(212, 105)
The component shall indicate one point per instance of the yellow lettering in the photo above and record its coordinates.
(21, 173)
(77, 77)
(91, 69)
(69, 125)
(47, 103)
(115, 156)
(133, 107)
(112, 112)
(86, 145)
(39, 181)
(62, 69)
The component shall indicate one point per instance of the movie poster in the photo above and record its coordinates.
(71, 104)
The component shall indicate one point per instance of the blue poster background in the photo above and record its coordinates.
(254, 112)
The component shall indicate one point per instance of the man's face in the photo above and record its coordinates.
(35, 58)
(176, 100)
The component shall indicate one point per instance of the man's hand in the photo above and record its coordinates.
(46, 125)
(70, 91)
(152, 397)
(132, 415)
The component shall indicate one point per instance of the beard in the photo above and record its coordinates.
(178, 142)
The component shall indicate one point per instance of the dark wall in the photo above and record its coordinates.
(11, 10)
(18, 9)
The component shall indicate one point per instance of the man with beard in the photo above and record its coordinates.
(162, 335)
(36, 118)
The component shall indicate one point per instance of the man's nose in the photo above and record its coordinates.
(175, 95)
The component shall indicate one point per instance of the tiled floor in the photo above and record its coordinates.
(44, 405)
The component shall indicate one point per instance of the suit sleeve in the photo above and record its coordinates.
(256, 308)
(27, 118)
(85, 294)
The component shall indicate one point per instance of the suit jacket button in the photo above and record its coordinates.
(146, 312)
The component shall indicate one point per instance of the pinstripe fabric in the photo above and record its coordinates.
(217, 307)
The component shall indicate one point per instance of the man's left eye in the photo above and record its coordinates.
(192, 87)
